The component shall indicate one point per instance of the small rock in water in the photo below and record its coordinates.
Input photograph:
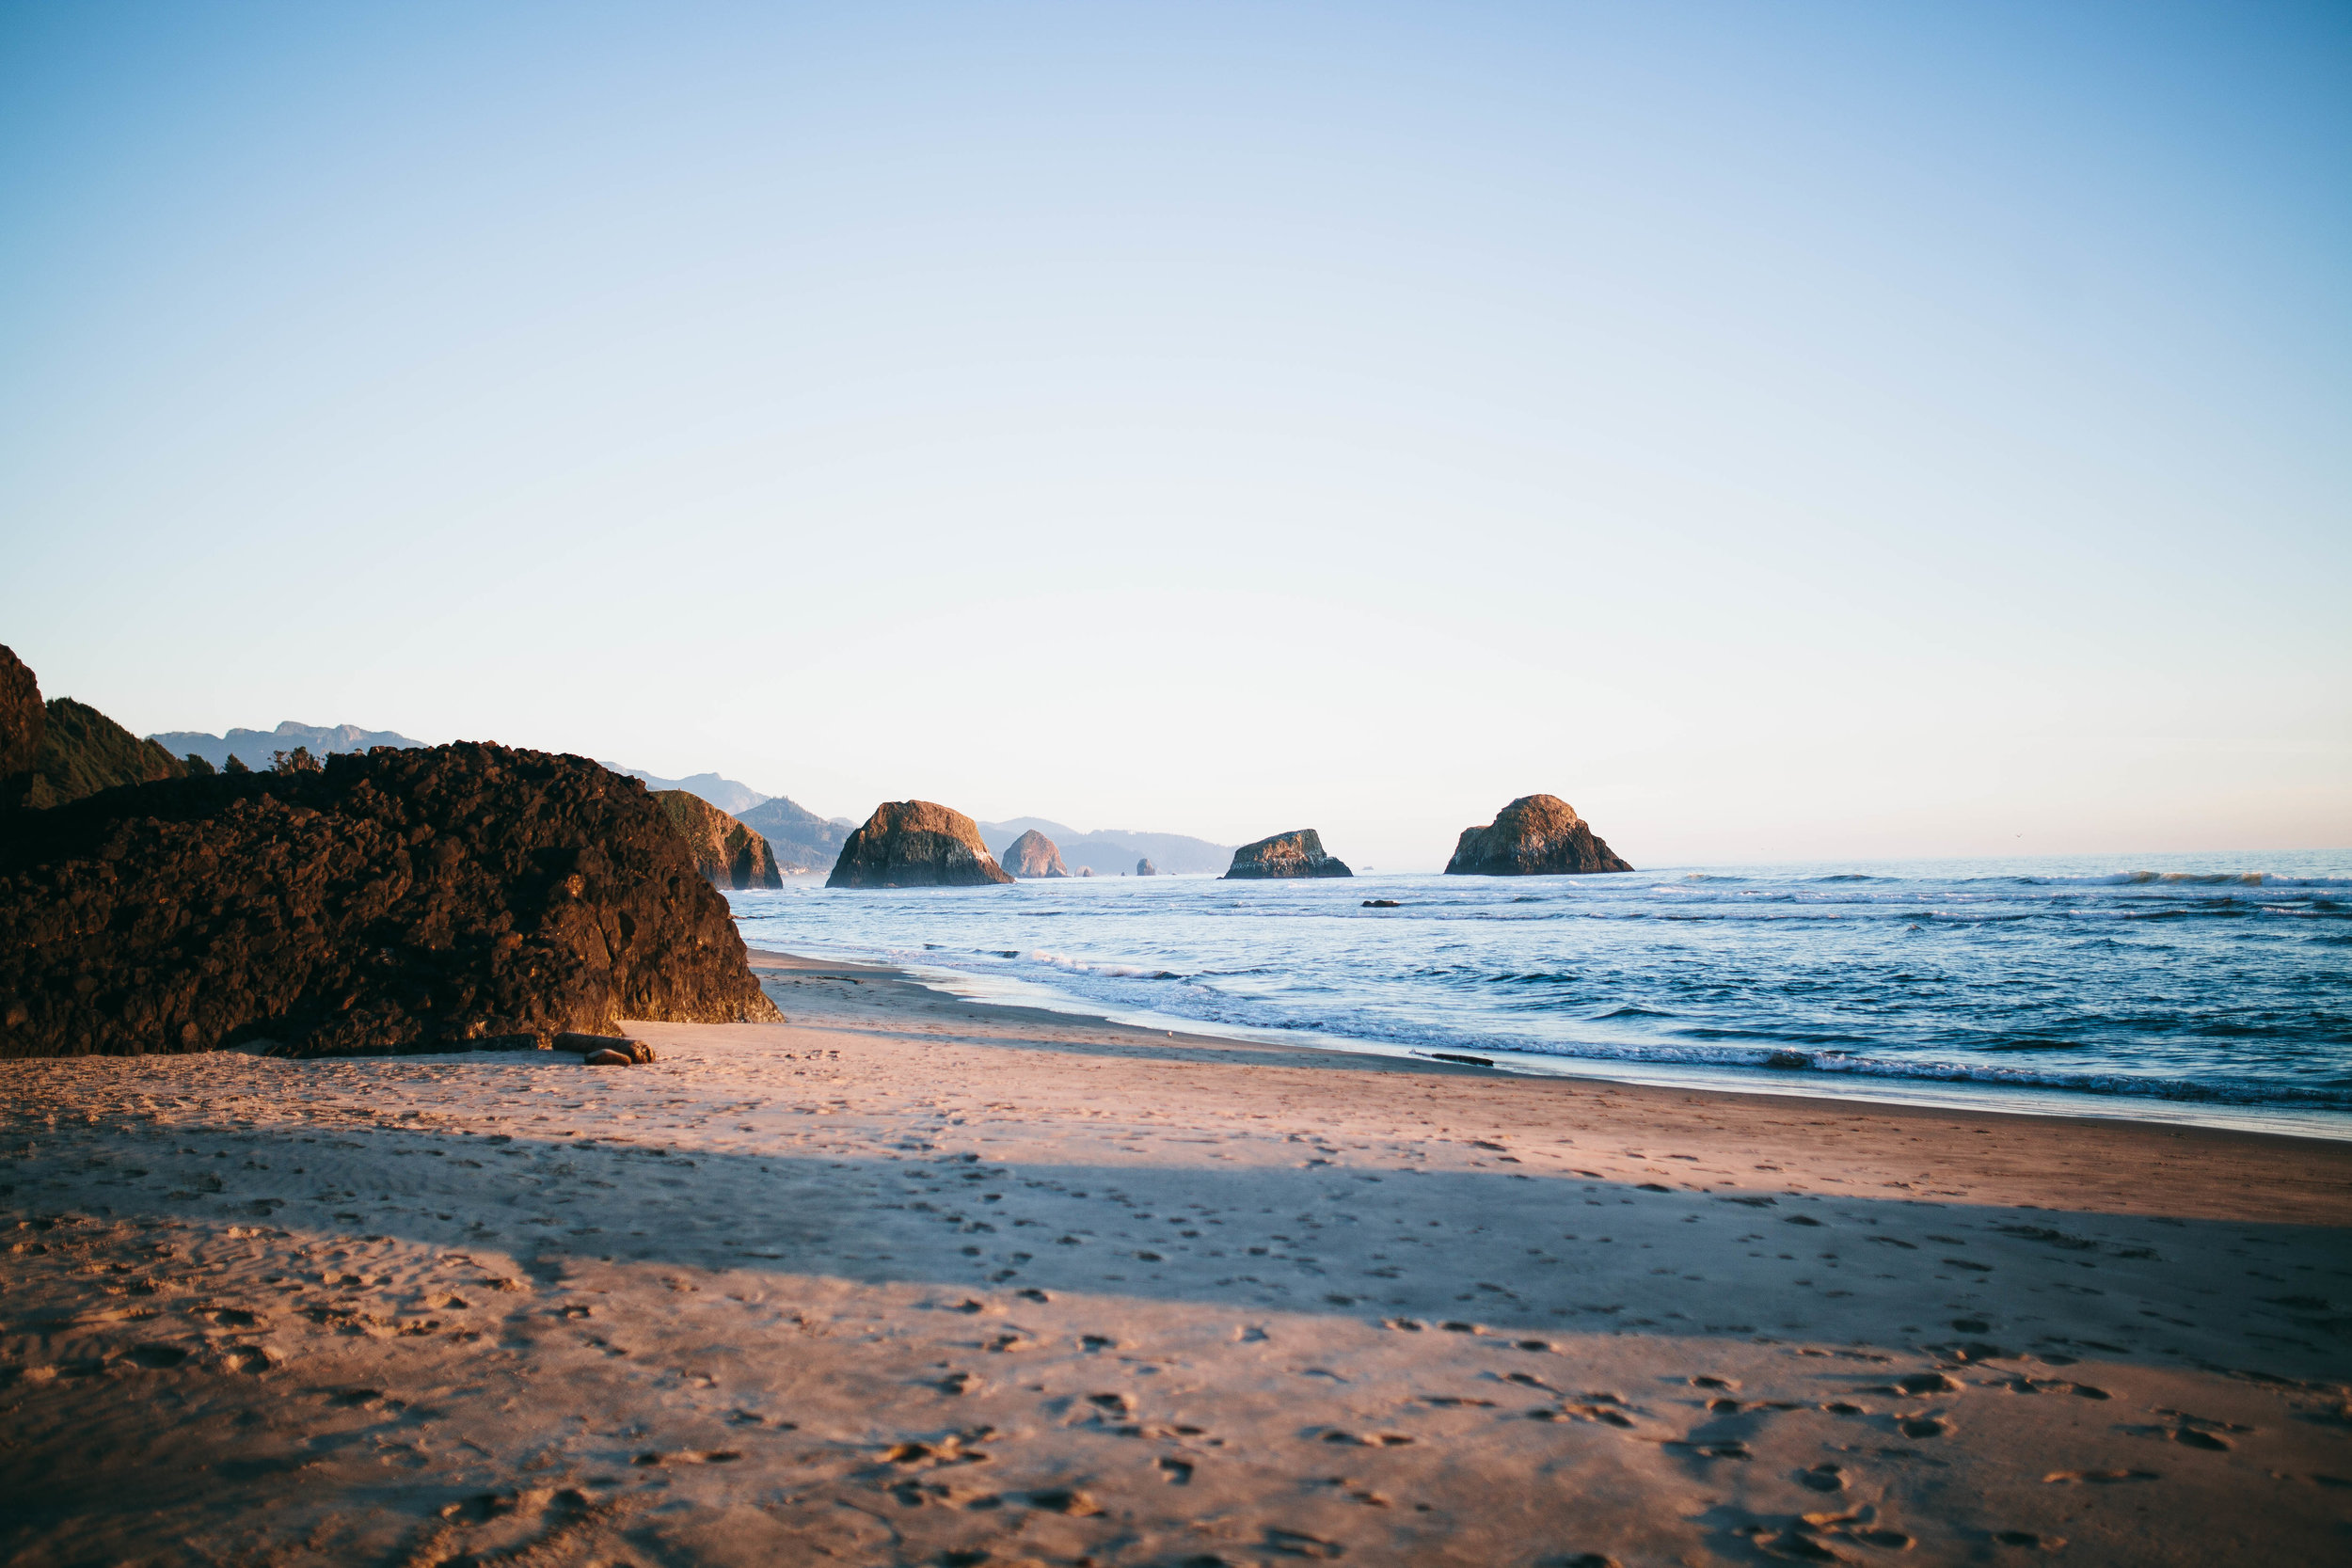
(1382, 904)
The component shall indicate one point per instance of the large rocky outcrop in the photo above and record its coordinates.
(23, 720)
(725, 850)
(1033, 855)
(915, 843)
(80, 752)
(396, 900)
(1535, 835)
(803, 841)
(1298, 854)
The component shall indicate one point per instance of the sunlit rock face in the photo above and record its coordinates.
(1292, 854)
(726, 851)
(1033, 855)
(1535, 835)
(915, 843)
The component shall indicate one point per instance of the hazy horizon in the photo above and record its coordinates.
(1793, 433)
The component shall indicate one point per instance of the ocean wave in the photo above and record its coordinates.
(2177, 879)
(1085, 966)
(2176, 979)
(1784, 1060)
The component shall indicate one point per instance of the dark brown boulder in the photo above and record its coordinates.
(915, 843)
(1535, 835)
(1298, 854)
(23, 721)
(607, 1050)
(729, 853)
(1033, 855)
(83, 752)
(440, 900)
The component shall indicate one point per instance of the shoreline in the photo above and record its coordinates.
(2048, 1135)
(908, 1279)
(1811, 1084)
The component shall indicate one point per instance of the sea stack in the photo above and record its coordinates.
(1535, 835)
(1297, 854)
(1145, 868)
(727, 853)
(1033, 855)
(915, 843)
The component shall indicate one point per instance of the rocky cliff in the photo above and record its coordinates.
(80, 752)
(915, 843)
(23, 721)
(399, 900)
(1033, 855)
(1298, 854)
(803, 841)
(1535, 835)
(726, 852)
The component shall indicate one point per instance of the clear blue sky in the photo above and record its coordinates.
(1781, 430)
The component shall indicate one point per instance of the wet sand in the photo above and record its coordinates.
(914, 1280)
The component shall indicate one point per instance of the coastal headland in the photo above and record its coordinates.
(911, 1279)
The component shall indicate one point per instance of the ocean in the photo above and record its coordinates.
(2212, 988)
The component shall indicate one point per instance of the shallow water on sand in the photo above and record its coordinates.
(2201, 986)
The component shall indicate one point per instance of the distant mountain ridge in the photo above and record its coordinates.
(727, 794)
(803, 841)
(1112, 850)
(254, 748)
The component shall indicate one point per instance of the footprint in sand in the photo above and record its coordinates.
(1291, 1542)
(1925, 1382)
(1176, 1472)
(2028, 1538)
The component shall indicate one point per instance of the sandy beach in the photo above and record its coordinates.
(914, 1280)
